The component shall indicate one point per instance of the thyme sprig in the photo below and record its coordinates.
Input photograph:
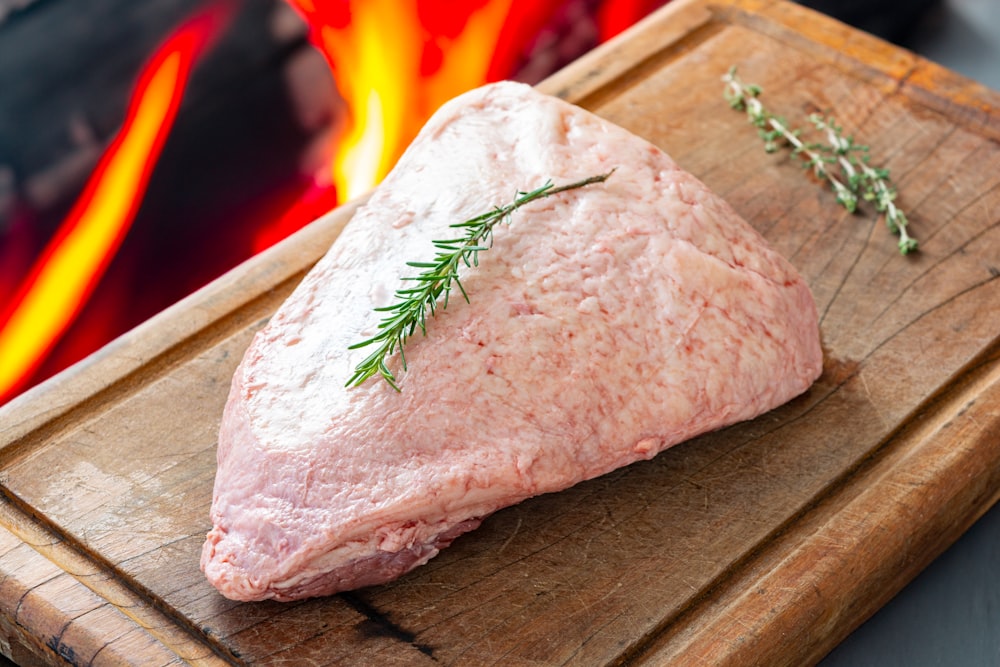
(855, 180)
(438, 277)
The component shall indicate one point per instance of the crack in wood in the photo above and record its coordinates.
(378, 624)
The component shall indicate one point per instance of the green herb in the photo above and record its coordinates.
(438, 277)
(840, 161)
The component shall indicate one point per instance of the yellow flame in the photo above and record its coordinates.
(61, 285)
(376, 58)
(357, 168)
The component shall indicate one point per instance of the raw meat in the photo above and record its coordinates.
(606, 324)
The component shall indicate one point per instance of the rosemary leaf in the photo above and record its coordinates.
(410, 310)
(856, 179)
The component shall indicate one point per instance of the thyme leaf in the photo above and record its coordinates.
(840, 161)
(438, 276)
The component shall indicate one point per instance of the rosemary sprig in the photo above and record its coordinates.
(856, 179)
(437, 277)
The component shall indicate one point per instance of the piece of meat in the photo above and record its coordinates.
(606, 324)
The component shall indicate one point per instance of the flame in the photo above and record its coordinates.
(73, 262)
(318, 198)
(395, 62)
(614, 16)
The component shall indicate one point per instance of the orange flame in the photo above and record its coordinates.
(395, 62)
(73, 262)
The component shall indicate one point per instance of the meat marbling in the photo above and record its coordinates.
(606, 324)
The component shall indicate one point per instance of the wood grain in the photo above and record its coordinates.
(764, 543)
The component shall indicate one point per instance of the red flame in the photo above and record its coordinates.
(60, 281)
(614, 16)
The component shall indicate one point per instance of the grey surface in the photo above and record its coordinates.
(950, 614)
(963, 35)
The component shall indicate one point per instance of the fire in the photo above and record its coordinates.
(73, 262)
(614, 16)
(396, 61)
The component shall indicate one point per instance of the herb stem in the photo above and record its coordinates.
(412, 305)
(871, 182)
(858, 179)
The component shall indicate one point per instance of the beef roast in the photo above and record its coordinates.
(606, 324)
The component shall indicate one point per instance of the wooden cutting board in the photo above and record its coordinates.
(764, 543)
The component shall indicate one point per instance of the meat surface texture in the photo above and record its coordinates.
(606, 324)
